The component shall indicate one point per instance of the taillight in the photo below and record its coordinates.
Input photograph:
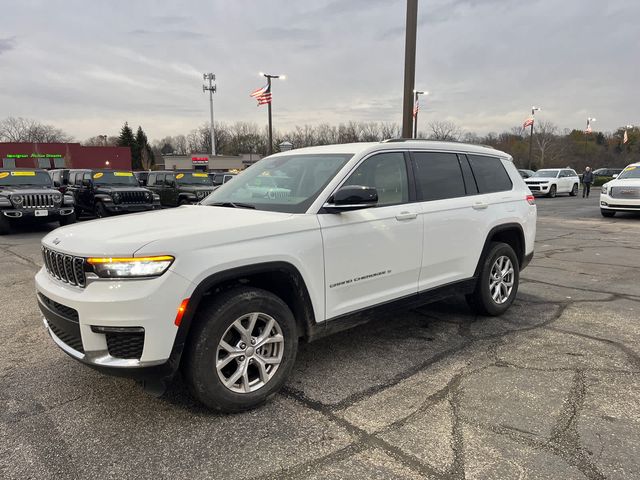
(530, 199)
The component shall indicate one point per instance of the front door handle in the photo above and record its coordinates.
(480, 205)
(406, 216)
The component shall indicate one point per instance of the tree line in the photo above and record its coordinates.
(551, 147)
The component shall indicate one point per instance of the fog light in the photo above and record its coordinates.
(605, 204)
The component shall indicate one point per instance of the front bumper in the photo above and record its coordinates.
(619, 204)
(31, 212)
(148, 305)
(541, 189)
(130, 207)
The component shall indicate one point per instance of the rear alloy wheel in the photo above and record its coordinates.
(100, 210)
(574, 190)
(552, 191)
(497, 283)
(607, 213)
(241, 349)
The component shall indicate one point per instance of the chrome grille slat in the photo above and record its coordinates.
(38, 200)
(64, 267)
(625, 192)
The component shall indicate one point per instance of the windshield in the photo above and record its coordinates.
(630, 172)
(288, 183)
(546, 173)
(24, 177)
(114, 178)
(193, 179)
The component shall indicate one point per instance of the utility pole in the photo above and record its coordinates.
(533, 116)
(409, 67)
(212, 89)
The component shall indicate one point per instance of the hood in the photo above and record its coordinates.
(196, 188)
(538, 179)
(26, 190)
(124, 235)
(624, 182)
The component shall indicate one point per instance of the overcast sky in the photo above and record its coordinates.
(86, 66)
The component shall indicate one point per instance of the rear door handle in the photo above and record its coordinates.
(480, 205)
(406, 216)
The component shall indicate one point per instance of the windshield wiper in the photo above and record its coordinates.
(233, 205)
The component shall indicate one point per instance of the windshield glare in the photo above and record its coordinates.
(546, 173)
(114, 178)
(24, 177)
(630, 172)
(193, 179)
(288, 183)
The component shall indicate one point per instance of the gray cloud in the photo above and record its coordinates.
(6, 44)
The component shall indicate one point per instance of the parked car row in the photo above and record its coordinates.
(29, 194)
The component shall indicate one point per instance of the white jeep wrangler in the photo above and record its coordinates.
(302, 244)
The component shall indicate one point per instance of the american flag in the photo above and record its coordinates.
(528, 122)
(625, 137)
(416, 108)
(588, 130)
(262, 94)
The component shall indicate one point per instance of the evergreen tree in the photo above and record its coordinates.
(142, 155)
(126, 139)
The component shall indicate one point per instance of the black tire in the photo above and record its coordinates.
(100, 210)
(5, 225)
(607, 213)
(481, 301)
(574, 190)
(184, 201)
(213, 321)
(68, 219)
(552, 191)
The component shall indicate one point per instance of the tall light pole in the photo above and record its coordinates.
(415, 111)
(533, 115)
(212, 89)
(409, 67)
(269, 77)
(586, 135)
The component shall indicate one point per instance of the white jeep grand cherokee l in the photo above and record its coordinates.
(302, 244)
(551, 181)
(622, 194)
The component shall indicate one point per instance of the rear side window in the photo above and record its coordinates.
(490, 174)
(438, 175)
(151, 180)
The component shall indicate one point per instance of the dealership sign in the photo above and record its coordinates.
(200, 160)
(34, 155)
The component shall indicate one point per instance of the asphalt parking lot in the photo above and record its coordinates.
(549, 390)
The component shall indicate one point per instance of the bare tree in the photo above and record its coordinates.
(547, 142)
(18, 129)
(445, 130)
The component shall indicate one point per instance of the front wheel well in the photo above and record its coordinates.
(281, 279)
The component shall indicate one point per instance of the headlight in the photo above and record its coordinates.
(16, 199)
(130, 267)
(605, 189)
(116, 197)
(149, 196)
(57, 198)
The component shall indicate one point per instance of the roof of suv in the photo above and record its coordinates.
(365, 147)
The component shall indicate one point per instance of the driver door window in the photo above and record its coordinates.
(387, 172)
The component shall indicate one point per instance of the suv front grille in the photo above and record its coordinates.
(125, 345)
(64, 267)
(625, 192)
(38, 200)
(134, 197)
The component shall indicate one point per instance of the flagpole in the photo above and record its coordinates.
(270, 149)
(533, 116)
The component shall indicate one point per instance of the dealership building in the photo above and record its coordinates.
(207, 163)
(63, 155)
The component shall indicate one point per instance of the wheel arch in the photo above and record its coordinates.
(509, 233)
(280, 278)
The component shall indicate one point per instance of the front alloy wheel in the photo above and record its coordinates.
(241, 349)
(250, 352)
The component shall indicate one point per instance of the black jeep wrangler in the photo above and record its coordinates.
(28, 193)
(180, 187)
(108, 192)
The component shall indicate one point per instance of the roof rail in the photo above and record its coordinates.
(400, 140)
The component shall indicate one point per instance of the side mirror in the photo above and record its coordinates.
(56, 184)
(352, 197)
(615, 175)
(86, 182)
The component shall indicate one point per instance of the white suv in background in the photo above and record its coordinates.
(622, 194)
(225, 289)
(551, 181)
